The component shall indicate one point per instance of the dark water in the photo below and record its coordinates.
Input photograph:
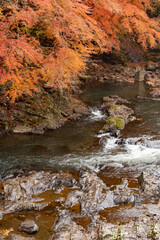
(76, 145)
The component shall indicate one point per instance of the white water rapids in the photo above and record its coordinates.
(135, 151)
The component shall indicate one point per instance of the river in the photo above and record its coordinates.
(77, 145)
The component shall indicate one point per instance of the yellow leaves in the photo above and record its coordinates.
(1, 12)
(6, 232)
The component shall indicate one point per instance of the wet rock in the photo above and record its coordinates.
(61, 181)
(25, 187)
(22, 130)
(21, 206)
(114, 99)
(73, 198)
(28, 226)
(113, 123)
(121, 141)
(96, 194)
(122, 194)
(66, 229)
(19, 237)
(34, 184)
(93, 231)
(119, 115)
(149, 184)
(80, 108)
(60, 199)
(120, 111)
(18, 192)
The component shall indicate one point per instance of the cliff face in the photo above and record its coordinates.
(44, 46)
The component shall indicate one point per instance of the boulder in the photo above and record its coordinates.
(119, 115)
(140, 74)
(28, 226)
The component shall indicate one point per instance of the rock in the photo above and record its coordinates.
(152, 66)
(96, 194)
(113, 123)
(66, 229)
(121, 141)
(73, 198)
(122, 194)
(19, 237)
(1, 214)
(149, 184)
(114, 99)
(119, 115)
(61, 181)
(18, 192)
(34, 184)
(140, 74)
(21, 206)
(22, 130)
(80, 108)
(142, 228)
(28, 226)
(120, 111)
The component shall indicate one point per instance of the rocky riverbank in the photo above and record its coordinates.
(76, 206)
(51, 108)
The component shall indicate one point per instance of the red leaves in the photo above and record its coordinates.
(48, 40)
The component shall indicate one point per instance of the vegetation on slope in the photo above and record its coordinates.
(45, 43)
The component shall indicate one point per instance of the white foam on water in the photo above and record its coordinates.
(147, 152)
(112, 154)
(96, 115)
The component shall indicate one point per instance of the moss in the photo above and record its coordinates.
(115, 122)
(115, 107)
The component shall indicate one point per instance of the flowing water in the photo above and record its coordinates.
(77, 145)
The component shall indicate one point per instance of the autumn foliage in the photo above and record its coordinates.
(47, 42)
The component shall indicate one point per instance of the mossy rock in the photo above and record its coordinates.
(115, 107)
(114, 123)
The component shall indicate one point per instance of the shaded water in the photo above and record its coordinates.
(76, 145)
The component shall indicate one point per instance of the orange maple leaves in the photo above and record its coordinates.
(48, 41)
